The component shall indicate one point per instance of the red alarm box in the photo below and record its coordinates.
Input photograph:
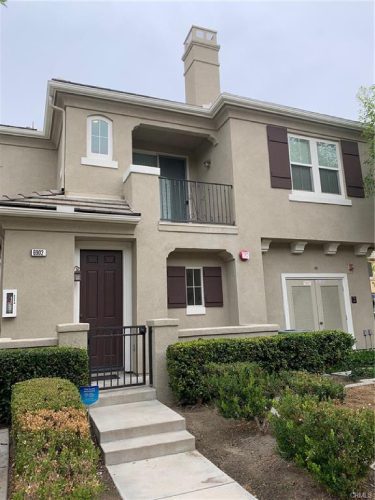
(244, 255)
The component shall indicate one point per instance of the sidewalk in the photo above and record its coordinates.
(4, 460)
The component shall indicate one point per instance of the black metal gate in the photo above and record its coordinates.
(120, 356)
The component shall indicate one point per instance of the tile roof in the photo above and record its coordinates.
(59, 201)
(117, 91)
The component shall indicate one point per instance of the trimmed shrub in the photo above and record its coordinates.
(363, 372)
(335, 444)
(17, 365)
(54, 456)
(361, 362)
(304, 383)
(314, 352)
(243, 390)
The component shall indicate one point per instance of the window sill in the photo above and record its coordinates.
(191, 227)
(191, 310)
(98, 162)
(319, 198)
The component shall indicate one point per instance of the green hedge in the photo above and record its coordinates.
(246, 391)
(17, 365)
(314, 352)
(243, 390)
(312, 384)
(335, 444)
(298, 382)
(54, 456)
(362, 372)
(361, 362)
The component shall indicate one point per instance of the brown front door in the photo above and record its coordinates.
(101, 305)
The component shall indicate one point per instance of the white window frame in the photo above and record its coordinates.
(198, 309)
(317, 276)
(317, 196)
(97, 159)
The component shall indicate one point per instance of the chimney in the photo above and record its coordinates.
(201, 63)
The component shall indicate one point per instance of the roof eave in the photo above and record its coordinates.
(187, 109)
(75, 216)
(277, 109)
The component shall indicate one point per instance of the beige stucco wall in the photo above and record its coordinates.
(239, 156)
(284, 218)
(201, 70)
(91, 179)
(108, 181)
(279, 260)
(214, 315)
(26, 165)
(45, 285)
(153, 246)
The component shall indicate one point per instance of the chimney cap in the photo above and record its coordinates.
(201, 35)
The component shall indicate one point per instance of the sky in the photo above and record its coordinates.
(312, 55)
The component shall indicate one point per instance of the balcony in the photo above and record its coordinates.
(197, 202)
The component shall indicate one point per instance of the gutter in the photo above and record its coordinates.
(177, 107)
(277, 109)
(63, 135)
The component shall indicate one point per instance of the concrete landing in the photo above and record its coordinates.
(116, 396)
(183, 476)
(128, 420)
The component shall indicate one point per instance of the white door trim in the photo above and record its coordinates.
(317, 276)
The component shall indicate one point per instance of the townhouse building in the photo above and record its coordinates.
(221, 211)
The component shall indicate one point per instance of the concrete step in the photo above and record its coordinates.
(130, 420)
(125, 395)
(145, 447)
(182, 476)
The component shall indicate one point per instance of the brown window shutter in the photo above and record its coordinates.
(176, 287)
(278, 152)
(352, 169)
(213, 288)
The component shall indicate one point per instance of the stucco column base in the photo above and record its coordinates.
(164, 333)
(72, 334)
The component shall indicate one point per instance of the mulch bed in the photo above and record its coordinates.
(110, 492)
(360, 397)
(249, 457)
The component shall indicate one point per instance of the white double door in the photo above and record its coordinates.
(316, 304)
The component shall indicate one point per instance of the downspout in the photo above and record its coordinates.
(63, 136)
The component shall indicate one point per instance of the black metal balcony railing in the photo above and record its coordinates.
(191, 201)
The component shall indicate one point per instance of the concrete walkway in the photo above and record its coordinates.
(4, 461)
(149, 453)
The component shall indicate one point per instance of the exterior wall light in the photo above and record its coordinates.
(77, 273)
(207, 163)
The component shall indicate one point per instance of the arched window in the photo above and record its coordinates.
(99, 142)
(99, 136)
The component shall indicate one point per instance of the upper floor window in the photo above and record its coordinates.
(99, 136)
(99, 142)
(315, 167)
